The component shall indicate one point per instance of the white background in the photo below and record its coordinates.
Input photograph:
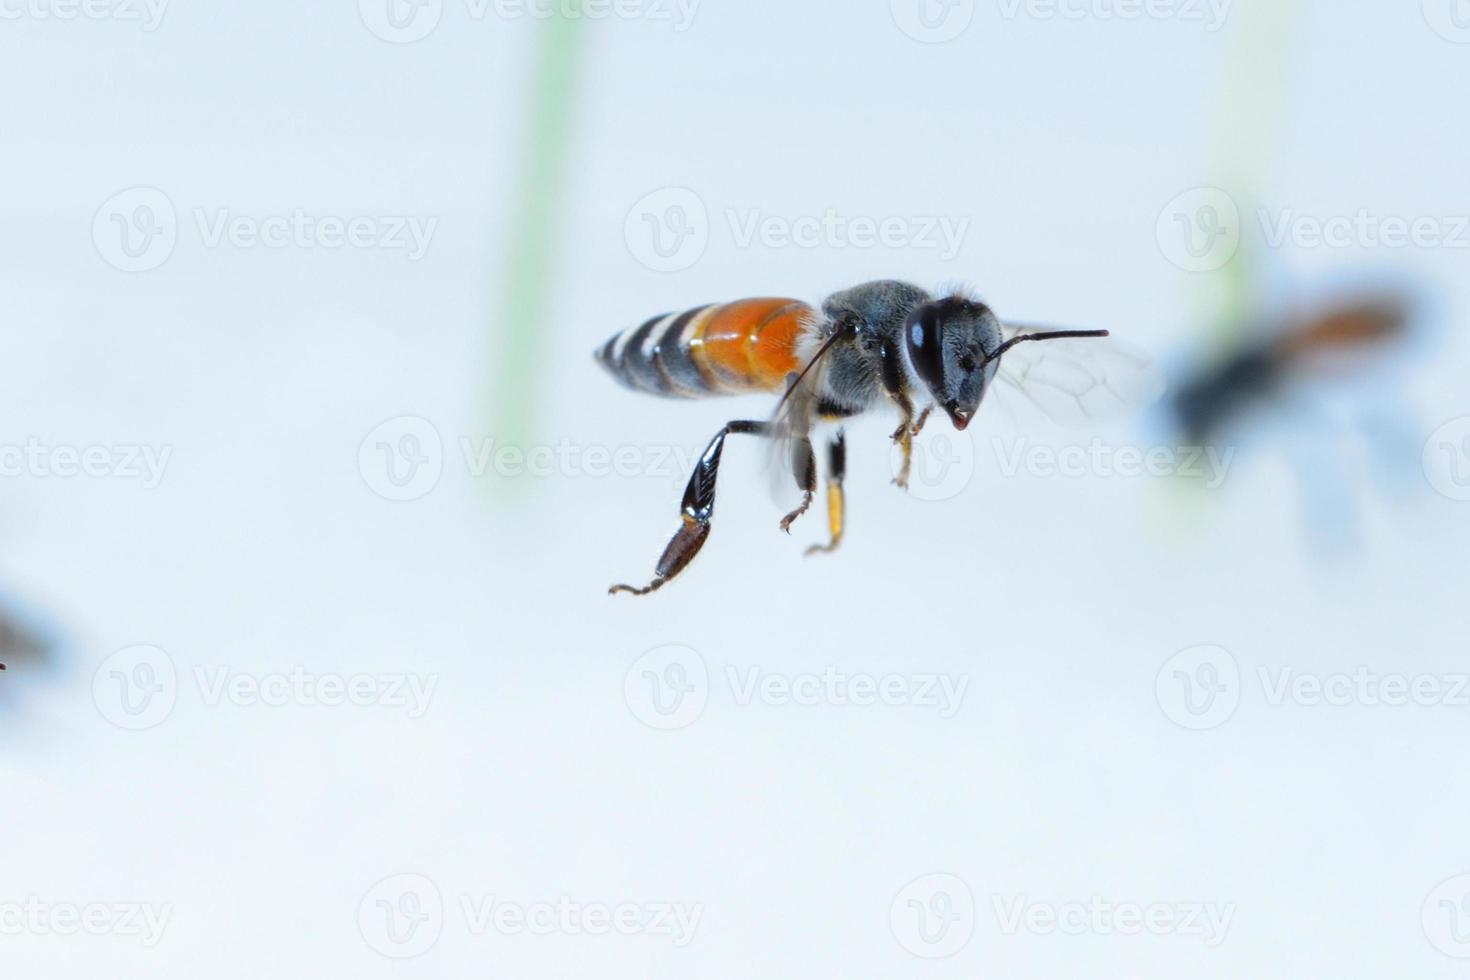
(1064, 774)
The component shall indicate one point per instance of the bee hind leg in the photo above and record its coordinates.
(698, 510)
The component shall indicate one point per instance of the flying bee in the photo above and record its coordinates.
(881, 342)
(1219, 393)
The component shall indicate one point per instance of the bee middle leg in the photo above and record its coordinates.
(836, 471)
(804, 465)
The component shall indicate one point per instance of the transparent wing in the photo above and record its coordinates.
(1075, 381)
(793, 420)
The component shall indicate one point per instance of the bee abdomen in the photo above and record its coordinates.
(653, 356)
(722, 349)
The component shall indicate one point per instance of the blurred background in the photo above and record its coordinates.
(310, 493)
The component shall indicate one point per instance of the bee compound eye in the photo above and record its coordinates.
(924, 339)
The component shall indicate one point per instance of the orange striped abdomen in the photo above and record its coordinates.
(730, 348)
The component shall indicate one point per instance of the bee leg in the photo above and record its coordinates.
(804, 465)
(904, 436)
(836, 471)
(698, 510)
(918, 426)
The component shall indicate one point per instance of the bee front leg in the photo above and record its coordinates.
(698, 510)
(893, 382)
(919, 425)
(904, 436)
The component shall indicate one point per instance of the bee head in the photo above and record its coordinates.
(953, 346)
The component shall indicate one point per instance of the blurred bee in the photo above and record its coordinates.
(17, 642)
(1217, 395)
(881, 342)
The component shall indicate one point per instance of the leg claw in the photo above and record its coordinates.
(789, 519)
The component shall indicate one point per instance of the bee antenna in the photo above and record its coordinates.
(1046, 335)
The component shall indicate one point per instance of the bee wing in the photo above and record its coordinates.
(1078, 380)
(795, 414)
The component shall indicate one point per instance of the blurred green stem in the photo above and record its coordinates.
(523, 320)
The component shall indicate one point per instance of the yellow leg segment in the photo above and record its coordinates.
(835, 503)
